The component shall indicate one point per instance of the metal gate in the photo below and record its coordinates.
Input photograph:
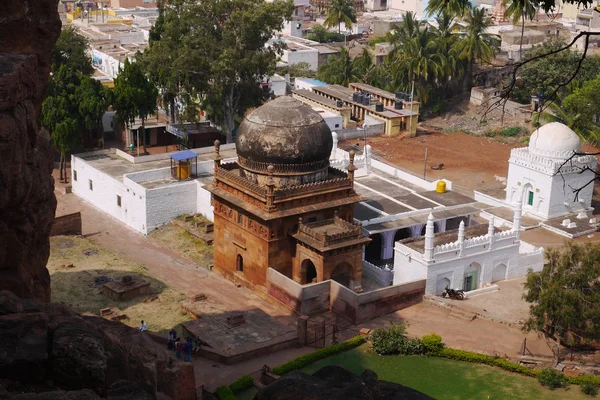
(315, 334)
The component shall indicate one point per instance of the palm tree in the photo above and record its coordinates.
(406, 30)
(519, 10)
(339, 70)
(452, 7)
(363, 64)
(340, 11)
(475, 44)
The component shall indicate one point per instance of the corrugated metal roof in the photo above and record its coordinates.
(184, 155)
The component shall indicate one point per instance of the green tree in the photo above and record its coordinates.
(583, 109)
(339, 69)
(475, 44)
(452, 7)
(320, 34)
(71, 50)
(92, 101)
(340, 11)
(565, 295)
(519, 11)
(134, 96)
(300, 70)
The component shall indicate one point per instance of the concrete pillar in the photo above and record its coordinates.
(334, 136)
(368, 158)
(461, 232)
(490, 233)
(387, 245)
(429, 235)
(442, 225)
(301, 330)
(517, 220)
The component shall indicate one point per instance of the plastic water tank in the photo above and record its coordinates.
(440, 187)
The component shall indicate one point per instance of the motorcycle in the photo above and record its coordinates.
(454, 293)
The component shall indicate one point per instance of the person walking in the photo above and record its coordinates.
(188, 350)
(143, 326)
(171, 342)
(178, 348)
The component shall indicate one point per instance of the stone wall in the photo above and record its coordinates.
(28, 31)
(69, 224)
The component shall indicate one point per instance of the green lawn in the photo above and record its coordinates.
(247, 394)
(446, 379)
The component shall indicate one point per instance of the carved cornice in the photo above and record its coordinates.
(283, 169)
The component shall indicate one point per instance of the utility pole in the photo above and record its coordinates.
(425, 165)
(412, 92)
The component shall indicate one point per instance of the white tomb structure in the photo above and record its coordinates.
(468, 259)
(541, 177)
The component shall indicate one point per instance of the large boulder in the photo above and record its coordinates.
(28, 31)
(333, 383)
(47, 348)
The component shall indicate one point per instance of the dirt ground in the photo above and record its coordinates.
(78, 268)
(181, 241)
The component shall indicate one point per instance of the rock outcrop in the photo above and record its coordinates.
(53, 353)
(28, 31)
(333, 383)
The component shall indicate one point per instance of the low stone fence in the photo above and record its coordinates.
(69, 224)
(383, 276)
(303, 299)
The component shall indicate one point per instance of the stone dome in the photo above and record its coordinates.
(554, 140)
(281, 132)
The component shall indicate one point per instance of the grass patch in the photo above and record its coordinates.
(75, 286)
(184, 243)
(445, 379)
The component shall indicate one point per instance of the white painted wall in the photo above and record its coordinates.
(306, 55)
(382, 276)
(167, 203)
(415, 6)
(204, 202)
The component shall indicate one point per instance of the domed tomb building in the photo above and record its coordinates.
(282, 206)
(544, 175)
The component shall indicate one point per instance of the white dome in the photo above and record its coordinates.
(554, 140)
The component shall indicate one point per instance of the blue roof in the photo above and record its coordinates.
(184, 155)
(315, 82)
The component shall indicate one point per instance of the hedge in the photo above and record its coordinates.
(468, 356)
(224, 393)
(243, 383)
(580, 380)
(325, 352)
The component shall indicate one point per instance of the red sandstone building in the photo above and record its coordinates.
(281, 205)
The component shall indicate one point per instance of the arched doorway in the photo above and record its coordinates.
(308, 272)
(373, 250)
(239, 263)
(528, 195)
(436, 229)
(471, 279)
(499, 273)
(441, 284)
(403, 233)
(341, 274)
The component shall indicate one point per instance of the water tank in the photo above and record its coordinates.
(359, 98)
(355, 96)
(339, 103)
(399, 95)
(366, 101)
(379, 107)
(440, 187)
(398, 105)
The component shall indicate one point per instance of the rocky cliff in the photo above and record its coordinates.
(49, 352)
(28, 31)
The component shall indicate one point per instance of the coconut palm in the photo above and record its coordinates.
(452, 7)
(406, 30)
(340, 11)
(475, 44)
(519, 11)
(339, 69)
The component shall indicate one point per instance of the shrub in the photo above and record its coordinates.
(432, 344)
(589, 389)
(412, 347)
(552, 378)
(511, 132)
(462, 355)
(325, 352)
(388, 340)
(243, 383)
(224, 393)
(582, 380)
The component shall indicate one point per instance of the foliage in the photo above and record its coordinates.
(325, 352)
(135, 96)
(457, 6)
(583, 105)
(340, 11)
(224, 393)
(70, 50)
(320, 34)
(565, 295)
(589, 389)
(511, 131)
(454, 7)
(339, 69)
(243, 383)
(432, 344)
(552, 378)
(214, 52)
(300, 70)
(389, 340)
(468, 356)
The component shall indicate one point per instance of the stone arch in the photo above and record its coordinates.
(436, 228)
(373, 249)
(342, 273)
(239, 263)
(402, 233)
(472, 276)
(308, 271)
(499, 273)
(441, 284)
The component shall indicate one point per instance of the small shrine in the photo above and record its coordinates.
(183, 165)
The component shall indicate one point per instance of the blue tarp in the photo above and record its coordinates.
(184, 155)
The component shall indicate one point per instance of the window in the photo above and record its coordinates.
(119, 200)
(239, 263)
(74, 175)
(91, 184)
(337, 125)
(311, 219)
(240, 218)
(530, 198)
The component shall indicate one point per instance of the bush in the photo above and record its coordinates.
(582, 380)
(388, 340)
(589, 389)
(552, 378)
(325, 352)
(432, 344)
(412, 347)
(511, 132)
(462, 355)
(224, 393)
(243, 383)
